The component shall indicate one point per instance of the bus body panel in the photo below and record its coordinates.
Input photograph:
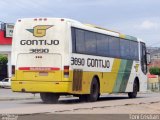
(37, 87)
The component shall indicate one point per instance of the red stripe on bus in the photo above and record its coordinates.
(55, 68)
(39, 68)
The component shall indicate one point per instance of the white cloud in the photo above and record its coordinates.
(146, 29)
(147, 25)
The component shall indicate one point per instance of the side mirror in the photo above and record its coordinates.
(148, 58)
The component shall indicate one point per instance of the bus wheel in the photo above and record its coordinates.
(135, 90)
(94, 91)
(49, 98)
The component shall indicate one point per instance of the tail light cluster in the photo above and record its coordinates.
(66, 71)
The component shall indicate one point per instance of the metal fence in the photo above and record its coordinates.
(154, 86)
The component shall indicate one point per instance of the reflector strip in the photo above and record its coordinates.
(24, 68)
(39, 68)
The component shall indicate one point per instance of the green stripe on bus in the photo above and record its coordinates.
(126, 75)
(119, 78)
(130, 37)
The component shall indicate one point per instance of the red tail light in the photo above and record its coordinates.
(13, 69)
(66, 71)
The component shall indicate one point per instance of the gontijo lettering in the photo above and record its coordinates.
(39, 42)
(90, 62)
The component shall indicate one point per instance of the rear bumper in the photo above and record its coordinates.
(37, 87)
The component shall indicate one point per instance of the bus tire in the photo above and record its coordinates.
(135, 90)
(49, 98)
(83, 98)
(94, 91)
(99, 96)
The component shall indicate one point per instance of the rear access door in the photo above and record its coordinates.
(42, 67)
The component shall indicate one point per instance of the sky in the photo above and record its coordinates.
(139, 18)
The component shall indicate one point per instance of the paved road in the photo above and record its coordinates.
(27, 104)
(7, 94)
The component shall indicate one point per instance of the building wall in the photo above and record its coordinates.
(3, 39)
(5, 48)
(155, 56)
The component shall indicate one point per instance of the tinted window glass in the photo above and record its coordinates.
(90, 42)
(125, 48)
(114, 50)
(134, 50)
(80, 41)
(102, 45)
(143, 58)
(73, 40)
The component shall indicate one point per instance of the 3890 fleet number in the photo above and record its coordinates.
(77, 61)
(39, 50)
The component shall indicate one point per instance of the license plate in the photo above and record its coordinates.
(43, 73)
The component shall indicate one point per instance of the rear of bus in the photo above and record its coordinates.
(39, 56)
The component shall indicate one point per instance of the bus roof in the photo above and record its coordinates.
(120, 35)
(128, 37)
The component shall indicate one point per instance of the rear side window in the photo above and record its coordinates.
(73, 40)
(80, 41)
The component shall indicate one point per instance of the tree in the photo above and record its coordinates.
(3, 66)
(155, 71)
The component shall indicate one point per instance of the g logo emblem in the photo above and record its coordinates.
(39, 30)
(136, 67)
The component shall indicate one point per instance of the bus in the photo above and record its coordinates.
(60, 56)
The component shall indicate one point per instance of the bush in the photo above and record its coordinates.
(3, 60)
(154, 70)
